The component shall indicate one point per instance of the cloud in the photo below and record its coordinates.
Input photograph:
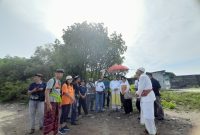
(21, 28)
(159, 34)
(122, 16)
(169, 38)
(51, 16)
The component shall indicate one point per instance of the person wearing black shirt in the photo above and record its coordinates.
(82, 99)
(36, 101)
(76, 87)
(158, 110)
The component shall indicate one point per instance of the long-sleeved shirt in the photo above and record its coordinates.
(145, 84)
(156, 86)
(99, 86)
(114, 84)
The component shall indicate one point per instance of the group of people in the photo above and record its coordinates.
(57, 103)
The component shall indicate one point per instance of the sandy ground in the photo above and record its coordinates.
(14, 121)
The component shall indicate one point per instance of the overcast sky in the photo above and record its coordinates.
(160, 34)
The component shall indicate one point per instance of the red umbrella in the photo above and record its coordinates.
(117, 68)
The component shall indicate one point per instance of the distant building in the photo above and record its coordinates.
(185, 81)
(169, 80)
(164, 78)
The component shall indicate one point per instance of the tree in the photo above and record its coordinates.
(13, 79)
(88, 48)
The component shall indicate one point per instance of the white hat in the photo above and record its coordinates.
(141, 69)
(69, 77)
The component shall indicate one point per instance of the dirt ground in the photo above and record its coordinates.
(14, 121)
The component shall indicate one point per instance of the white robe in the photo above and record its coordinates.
(147, 104)
(115, 96)
(115, 84)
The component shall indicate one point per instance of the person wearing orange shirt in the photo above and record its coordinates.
(67, 99)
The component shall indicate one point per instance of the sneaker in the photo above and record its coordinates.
(62, 131)
(66, 128)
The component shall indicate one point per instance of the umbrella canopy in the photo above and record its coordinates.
(117, 68)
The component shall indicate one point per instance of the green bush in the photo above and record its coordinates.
(10, 91)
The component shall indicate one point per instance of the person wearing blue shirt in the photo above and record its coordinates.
(36, 101)
(82, 99)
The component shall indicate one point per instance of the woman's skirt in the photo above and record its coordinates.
(116, 102)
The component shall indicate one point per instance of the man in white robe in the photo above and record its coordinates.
(147, 98)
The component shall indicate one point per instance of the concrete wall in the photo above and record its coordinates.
(186, 81)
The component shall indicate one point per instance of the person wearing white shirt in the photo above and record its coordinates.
(147, 98)
(90, 95)
(99, 87)
(115, 96)
(125, 89)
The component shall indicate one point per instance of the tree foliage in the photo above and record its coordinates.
(87, 48)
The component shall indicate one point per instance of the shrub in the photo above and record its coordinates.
(13, 91)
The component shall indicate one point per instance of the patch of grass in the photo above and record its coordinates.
(168, 105)
(184, 100)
